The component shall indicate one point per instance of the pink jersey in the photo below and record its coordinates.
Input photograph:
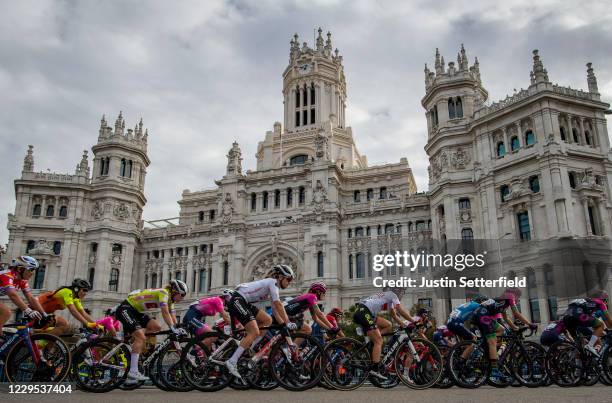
(209, 306)
(109, 323)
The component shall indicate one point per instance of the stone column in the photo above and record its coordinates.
(585, 205)
(581, 131)
(519, 133)
(189, 276)
(259, 198)
(603, 216)
(542, 294)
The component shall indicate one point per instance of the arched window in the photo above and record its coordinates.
(369, 194)
(320, 265)
(451, 109)
(529, 137)
(154, 280)
(458, 108)
(514, 143)
(265, 200)
(297, 97)
(563, 136)
(410, 226)
(211, 215)
(575, 135)
(356, 196)
(253, 201)
(122, 167)
(504, 191)
(225, 272)
(50, 210)
(298, 159)
(92, 276)
(36, 210)
(63, 211)
(57, 247)
(130, 166)
(113, 282)
(277, 198)
(501, 149)
(301, 195)
(289, 197)
(312, 96)
(534, 184)
(201, 216)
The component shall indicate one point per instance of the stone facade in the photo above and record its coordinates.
(535, 166)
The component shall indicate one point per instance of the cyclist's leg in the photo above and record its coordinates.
(61, 327)
(5, 315)
(383, 325)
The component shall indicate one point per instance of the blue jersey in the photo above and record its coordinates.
(463, 312)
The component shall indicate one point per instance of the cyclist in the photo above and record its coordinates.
(332, 317)
(366, 316)
(583, 312)
(110, 323)
(68, 297)
(423, 318)
(200, 309)
(443, 337)
(296, 307)
(485, 317)
(463, 314)
(14, 278)
(240, 307)
(131, 314)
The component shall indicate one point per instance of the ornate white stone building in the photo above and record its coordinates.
(535, 166)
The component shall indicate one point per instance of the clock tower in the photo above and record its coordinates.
(314, 88)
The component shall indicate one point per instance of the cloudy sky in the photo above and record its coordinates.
(204, 73)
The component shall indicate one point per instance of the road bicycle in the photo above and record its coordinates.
(29, 357)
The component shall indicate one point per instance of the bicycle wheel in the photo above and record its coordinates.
(258, 374)
(418, 363)
(529, 365)
(606, 366)
(468, 364)
(445, 381)
(296, 367)
(54, 364)
(169, 370)
(348, 364)
(198, 370)
(101, 365)
(564, 364)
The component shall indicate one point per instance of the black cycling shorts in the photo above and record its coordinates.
(364, 318)
(130, 318)
(240, 309)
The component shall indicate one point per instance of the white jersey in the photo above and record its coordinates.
(260, 290)
(381, 302)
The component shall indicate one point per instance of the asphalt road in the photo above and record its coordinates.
(592, 394)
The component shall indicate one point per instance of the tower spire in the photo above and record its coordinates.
(438, 63)
(540, 75)
(591, 79)
(28, 161)
(320, 45)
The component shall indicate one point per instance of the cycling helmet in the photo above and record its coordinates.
(601, 294)
(179, 287)
(318, 288)
(226, 294)
(514, 291)
(81, 284)
(480, 298)
(336, 312)
(27, 262)
(423, 311)
(282, 270)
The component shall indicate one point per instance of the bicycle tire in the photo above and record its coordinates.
(56, 360)
(562, 364)
(472, 372)
(87, 370)
(534, 357)
(289, 377)
(170, 373)
(199, 372)
(428, 369)
(343, 371)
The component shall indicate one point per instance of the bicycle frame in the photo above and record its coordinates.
(23, 333)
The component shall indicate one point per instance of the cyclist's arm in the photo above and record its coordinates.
(319, 318)
(279, 312)
(168, 318)
(16, 299)
(77, 315)
(35, 303)
(519, 316)
(607, 319)
(226, 317)
(85, 314)
(511, 323)
(405, 314)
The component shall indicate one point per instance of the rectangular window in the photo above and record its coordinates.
(312, 116)
(369, 194)
(552, 308)
(305, 97)
(304, 117)
(350, 266)
(360, 265)
(383, 193)
(523, 223)
(356, 196)
(297, 118)
(425, 302)
(277, 198)
(265, 200)
(593, 221)
(320, 267)
(289, 197)
(464, 204)
(202, 282)
(312, 95)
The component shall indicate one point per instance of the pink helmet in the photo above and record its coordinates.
(317, 287)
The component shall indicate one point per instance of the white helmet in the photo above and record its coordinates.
(179, 286)
(282, 270)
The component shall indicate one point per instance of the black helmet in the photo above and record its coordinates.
(81, 284)
(480, 298)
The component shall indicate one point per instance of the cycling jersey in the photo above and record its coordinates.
(463, 312)
(300, 304)
(440, 335)
(332, 320)
(149, 299)
(8, 281)
(496, 306)
(208, 306)
(590, 306)
(260, 290)
(380, 302)
(59, 300)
